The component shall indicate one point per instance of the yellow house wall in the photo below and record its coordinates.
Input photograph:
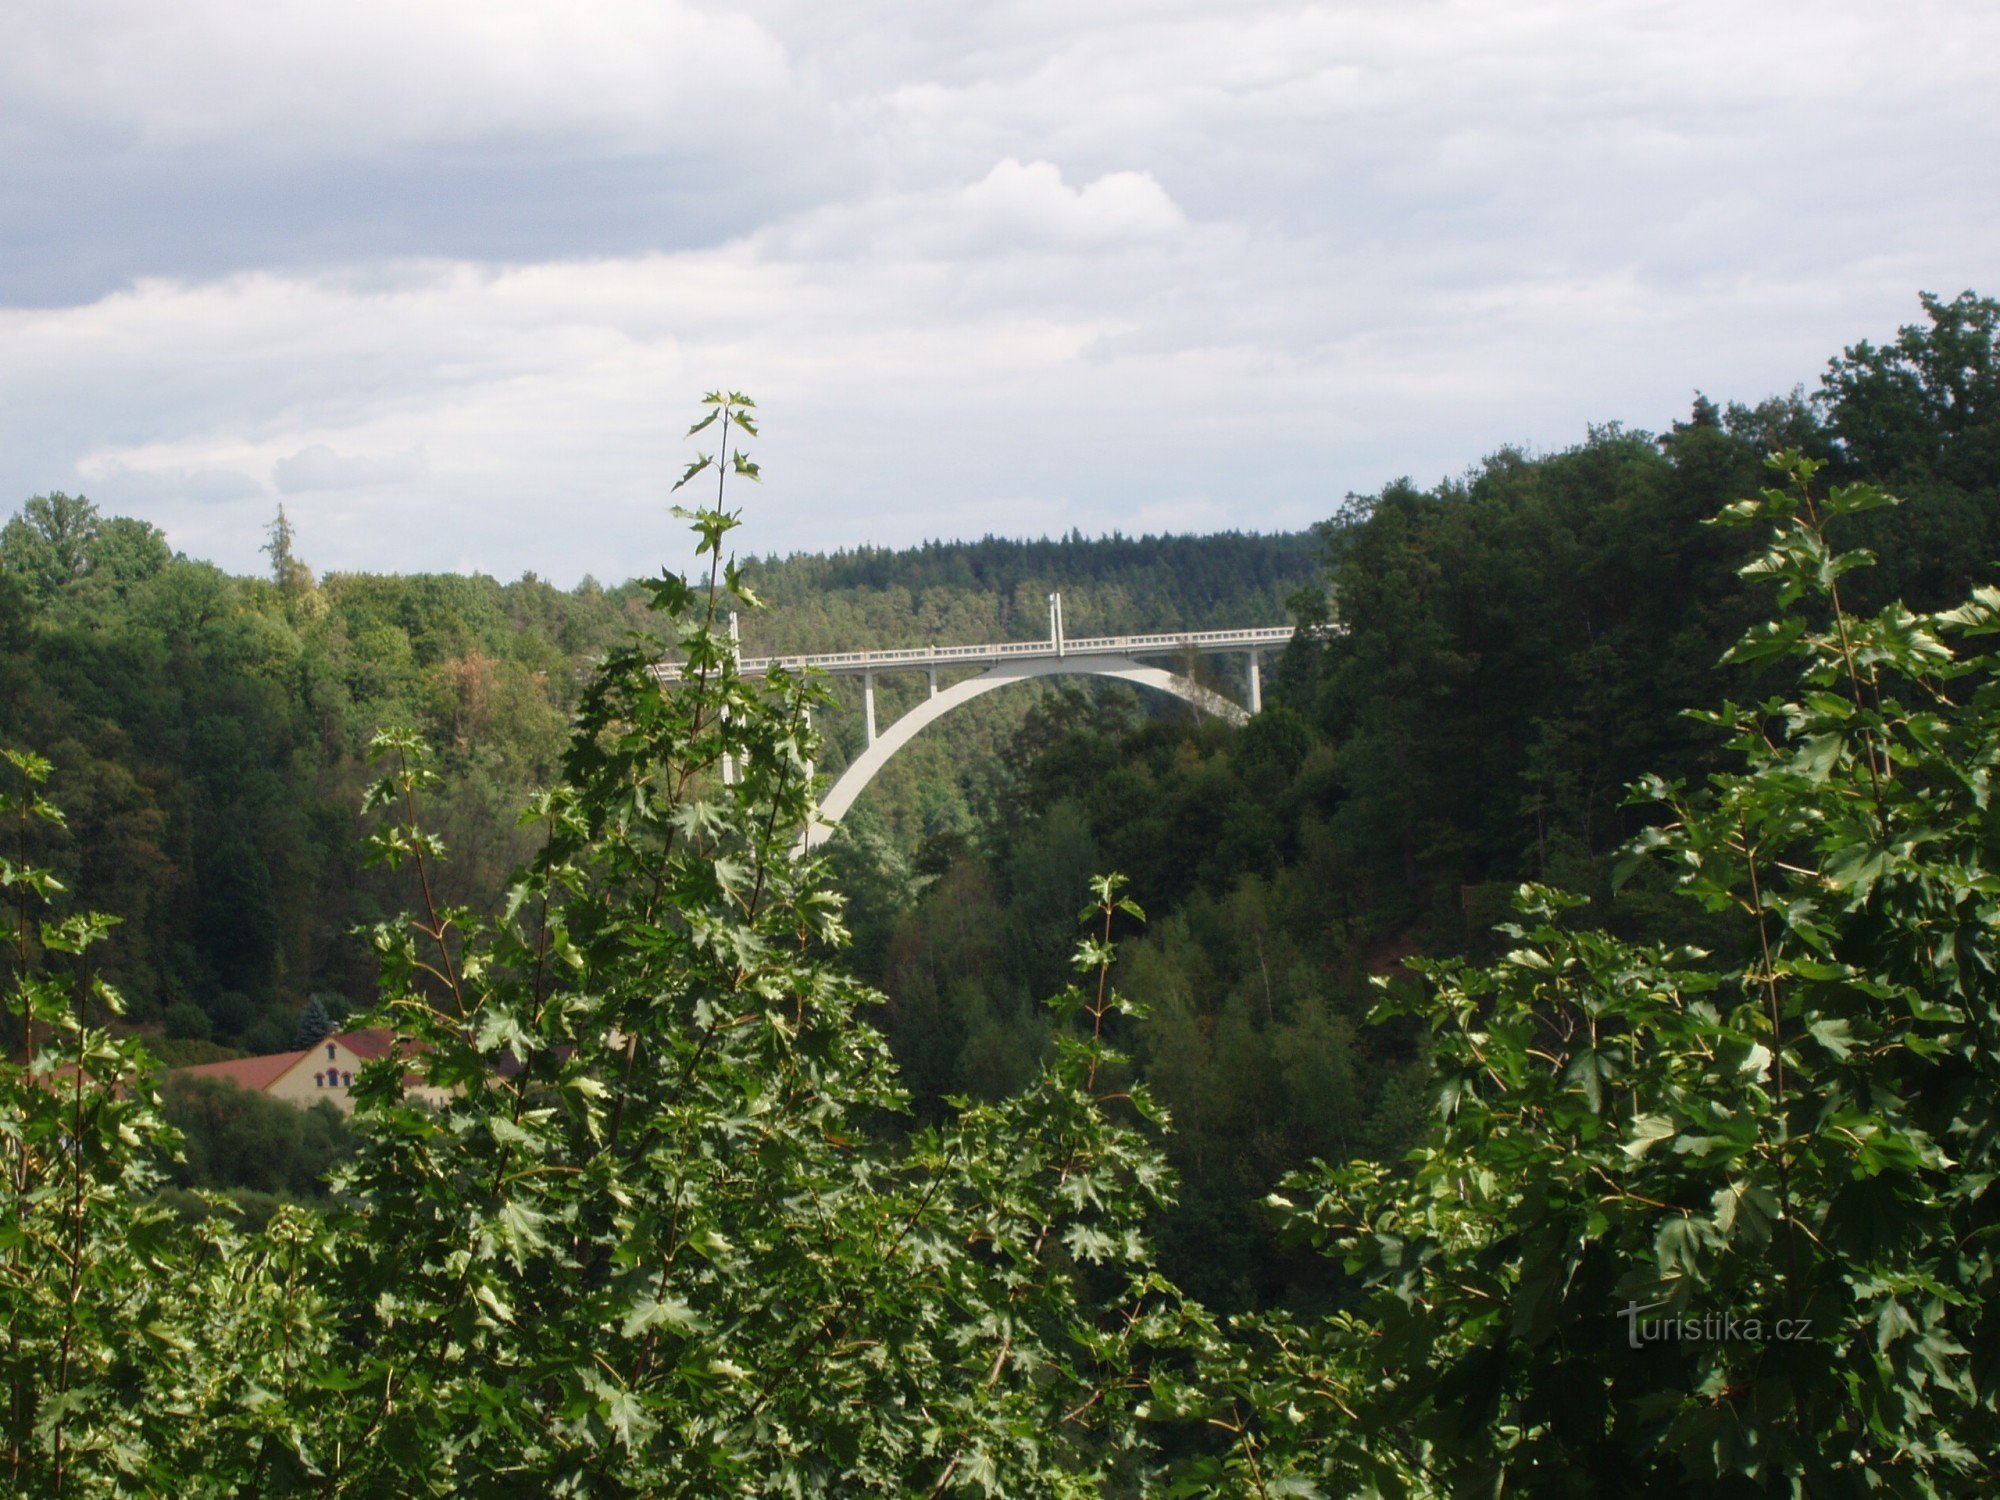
(295, 1085)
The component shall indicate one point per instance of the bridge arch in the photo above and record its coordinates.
(852, 781)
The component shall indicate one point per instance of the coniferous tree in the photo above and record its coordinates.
(288, 570)
(314, 1024)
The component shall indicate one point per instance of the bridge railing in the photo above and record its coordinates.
(933, 656)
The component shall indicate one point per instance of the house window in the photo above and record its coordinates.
(346, 1079)
(329, 1052)
(319, 1080)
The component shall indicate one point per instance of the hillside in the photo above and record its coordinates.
(210, 730)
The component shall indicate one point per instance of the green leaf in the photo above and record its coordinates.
(1833, 1035)
(625, 1414)
(1856, 869)
(1647, 1132)
(693, 469)
(653, 1313)
(1746, 1208)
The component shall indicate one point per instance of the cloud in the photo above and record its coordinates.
(207, 137)
(905, 396)
(318, 467)
(447, 274)
(1033, 204)
(1014, 206)
(157, 487)
(297, 74)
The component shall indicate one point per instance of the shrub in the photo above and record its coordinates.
(1682, 1226)
(186, 1021)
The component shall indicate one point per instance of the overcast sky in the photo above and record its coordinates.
(447, 278)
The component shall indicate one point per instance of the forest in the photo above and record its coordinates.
(1599, 912)
(210, 731)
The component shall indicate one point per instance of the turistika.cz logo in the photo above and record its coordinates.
(1707, 1328)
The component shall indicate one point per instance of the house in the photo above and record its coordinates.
(325, 1070)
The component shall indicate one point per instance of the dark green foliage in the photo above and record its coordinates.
(186, 1021)
(1253, 1037)
(618, 1221)
(86, 1317)
(1110, 585)
(1792, 1155)
(1922, 415)
(1513, 654)
(1512, 651)
(879, 884)
(209, 732)
(232, 1138)
(1926, 408)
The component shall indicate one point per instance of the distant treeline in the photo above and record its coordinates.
(209, 730)
(1110, 585)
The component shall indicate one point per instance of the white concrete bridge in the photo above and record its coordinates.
(1017, 661)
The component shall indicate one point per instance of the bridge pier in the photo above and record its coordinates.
(933, 675)
(1256, 682)
(868, 703)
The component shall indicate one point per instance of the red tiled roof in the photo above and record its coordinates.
(369, 1043)
(254, 1073)
(258, 1073)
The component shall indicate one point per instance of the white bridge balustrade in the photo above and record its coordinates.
(1010, 662)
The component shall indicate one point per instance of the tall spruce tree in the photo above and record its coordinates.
(314, 1024)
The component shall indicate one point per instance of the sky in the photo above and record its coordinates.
(447, 280)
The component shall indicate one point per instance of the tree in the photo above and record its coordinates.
(233, 1139)
(16, 615)
(49, 543)
(1927, 406)
(288, 570)
(640, 1237)
(127, 552)
(103, 1340)
(314, 1025)
(639, 1234)
(1687, 1226)
(1923, 414)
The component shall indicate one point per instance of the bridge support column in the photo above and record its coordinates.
(812, 769)
(1256, 682)
(868, 703)
(933, 682)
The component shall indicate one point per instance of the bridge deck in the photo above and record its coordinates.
(918, 658)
